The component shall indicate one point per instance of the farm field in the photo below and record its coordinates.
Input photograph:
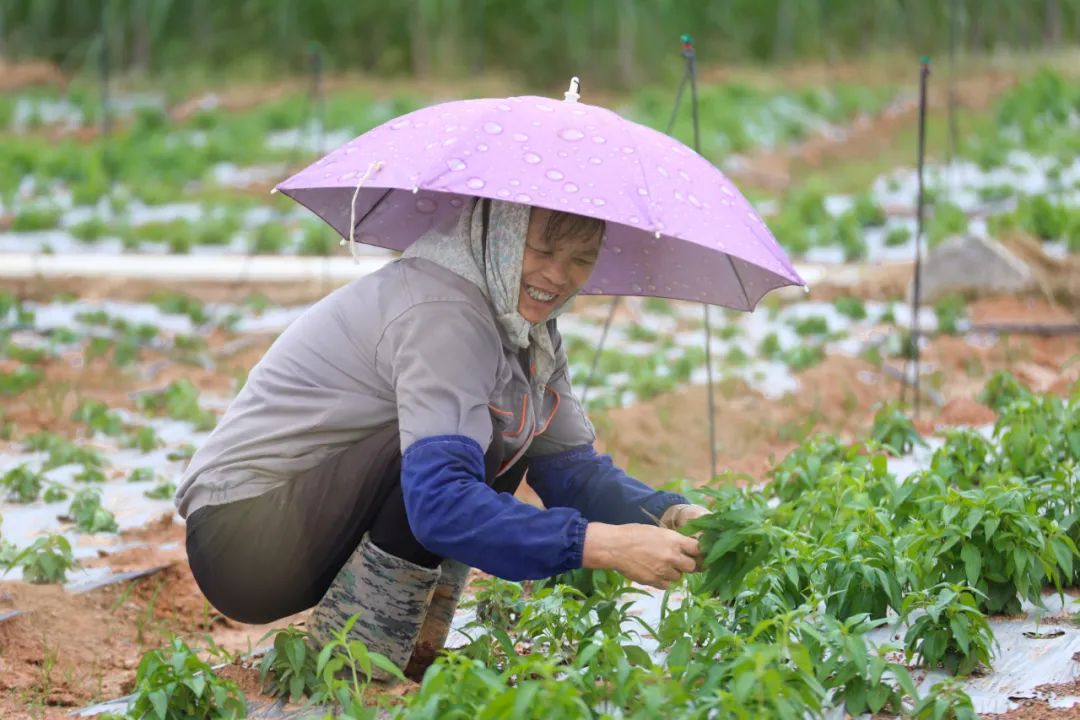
(857, 562)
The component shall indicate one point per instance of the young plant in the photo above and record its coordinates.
(735, 538)
(1001, 389)
(856, 677)
(22, 484)
(47, 560)
(995, 539)
(950, 631)
(290, 667)
(98, 418)
(352, 660)
(174, 683)
(893, 430)
(88, 514)
(946, 700)
(162, 491)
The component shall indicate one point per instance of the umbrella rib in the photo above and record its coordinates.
(749, 305)
(372, 208)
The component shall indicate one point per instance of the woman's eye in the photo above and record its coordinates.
(540, 251)
(583, 262)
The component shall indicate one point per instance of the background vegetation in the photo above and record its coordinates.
(614, 43)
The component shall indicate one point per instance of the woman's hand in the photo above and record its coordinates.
(678, 515)
(645, 554)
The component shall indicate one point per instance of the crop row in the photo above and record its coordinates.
(778, 624)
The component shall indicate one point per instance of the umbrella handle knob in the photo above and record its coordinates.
(572, 95)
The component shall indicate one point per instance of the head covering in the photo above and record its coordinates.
(496, 270)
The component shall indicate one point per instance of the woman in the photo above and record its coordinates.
(372, 456)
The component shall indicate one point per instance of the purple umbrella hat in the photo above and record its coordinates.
(676, 226)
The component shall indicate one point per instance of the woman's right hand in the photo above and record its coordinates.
(645, 554)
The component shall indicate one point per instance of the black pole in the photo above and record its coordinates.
(916, 295)
(691, 67)
(615, 300)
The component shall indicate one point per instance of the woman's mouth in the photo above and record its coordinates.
(539, 295)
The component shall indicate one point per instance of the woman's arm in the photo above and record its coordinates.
(454, 513)
(592, 484)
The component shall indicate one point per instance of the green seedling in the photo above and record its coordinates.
(47, 560)
(179, 401)
(141, 474)
(143, 438)
(290, 667)
(173, 683)
(88, 514)
(163, 491)
(946, 700)
(893, 430)
(22, 484)
(98, 418)
(850, 307)
(950, 632)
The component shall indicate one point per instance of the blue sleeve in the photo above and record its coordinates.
(579, 478)
(454, 513)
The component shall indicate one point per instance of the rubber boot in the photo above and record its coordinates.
(440, 614)
(392, 596)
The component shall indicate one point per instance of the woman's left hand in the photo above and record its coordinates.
(678, 515)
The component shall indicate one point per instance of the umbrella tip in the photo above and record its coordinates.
(572, 95)
(273, 190)
(806, 289)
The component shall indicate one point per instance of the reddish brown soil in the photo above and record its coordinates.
(667, 437)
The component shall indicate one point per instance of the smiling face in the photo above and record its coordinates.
(560, 253)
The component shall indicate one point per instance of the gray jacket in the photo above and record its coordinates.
(413, 344)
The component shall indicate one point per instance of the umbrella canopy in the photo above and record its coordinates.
(676, 226)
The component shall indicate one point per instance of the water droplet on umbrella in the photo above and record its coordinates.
(660, 169)
(563, 153)
(520, 137)
(628, 150)
(634, 219)
(401, 124)
(522, 198)
(515, 183)
(694, 201)
(482, 147)
(504, 107)
(678, 196)
(651, 288)
(726, 190)
(684, 176)
(532, 158)
(554, 175)
(545, 108)
(617, 250)
(503, 193)
(492, 128)
(599, 140)
(571, 134)
(635, 288)
(449, 141)
(426, 205)
(456, 164)
(642, 191)
(599, 202)
(474, 183)
(595, 160)
(456, 202)
(570, 187)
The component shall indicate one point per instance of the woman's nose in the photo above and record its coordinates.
(557, 272)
